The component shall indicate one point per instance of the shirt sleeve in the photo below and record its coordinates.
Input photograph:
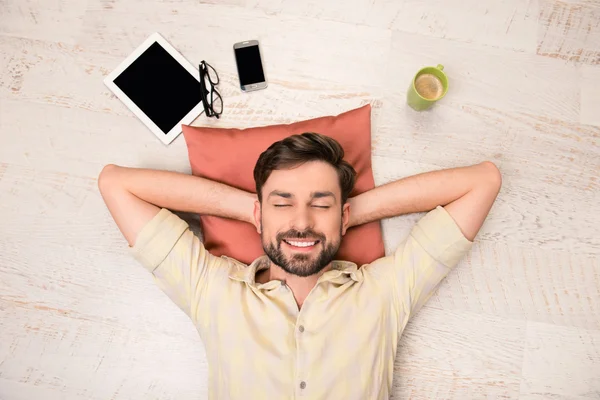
(434, 246)
(180, 264)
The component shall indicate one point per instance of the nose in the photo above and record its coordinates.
(302, 219)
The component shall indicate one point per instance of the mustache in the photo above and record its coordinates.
(295, 234)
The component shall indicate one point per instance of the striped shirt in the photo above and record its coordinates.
(340, 345)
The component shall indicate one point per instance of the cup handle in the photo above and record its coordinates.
(440, 67)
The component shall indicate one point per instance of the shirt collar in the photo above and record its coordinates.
(341, 272)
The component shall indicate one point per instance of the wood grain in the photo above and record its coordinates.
(330, 61)
(590, 95)
(561, 363)
(512, 279)
(569, 30)
(493, 77)
(56, 138)
(56, 20)
(509, 24)
(556, 184)
(54, 355)
(467, 356)
(45, 65)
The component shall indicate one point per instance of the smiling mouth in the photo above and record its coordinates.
(301, 243)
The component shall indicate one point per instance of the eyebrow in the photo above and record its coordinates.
(313, 195)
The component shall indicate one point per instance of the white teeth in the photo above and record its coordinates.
(301, 244)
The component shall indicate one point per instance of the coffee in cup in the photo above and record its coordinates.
(428, 86)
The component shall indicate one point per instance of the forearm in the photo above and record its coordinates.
(183, 192)
(418, 193)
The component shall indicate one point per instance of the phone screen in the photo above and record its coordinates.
(249, 65)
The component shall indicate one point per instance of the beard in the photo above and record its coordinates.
(301, 264)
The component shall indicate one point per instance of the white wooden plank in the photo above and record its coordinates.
(36, 71)
(57, 20)
(509, 24)
(52, 353)
(515, 281)
(66, 253)
(62, 208)
(561, 363)
(56, 73)
(491, 77)
(448, 355)
(66, 138)
(320, 53)
(62, 139)
(526, 145)
(76, 308)
(119, 6)
(569, 30)
(590, 95)
(529, 284)
(530, 210)
(518, 269)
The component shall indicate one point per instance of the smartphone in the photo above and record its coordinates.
(249, 66)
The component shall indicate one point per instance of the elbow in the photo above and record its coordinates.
(492, 174)
(106, 178)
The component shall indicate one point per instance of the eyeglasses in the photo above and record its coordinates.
(208, 80)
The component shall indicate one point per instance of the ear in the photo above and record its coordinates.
(257, 216)
(345, 217)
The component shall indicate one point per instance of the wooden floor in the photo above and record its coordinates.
(518, 318)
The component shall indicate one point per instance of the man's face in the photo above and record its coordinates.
(301, 219)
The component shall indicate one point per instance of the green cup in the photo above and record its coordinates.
(428, 86)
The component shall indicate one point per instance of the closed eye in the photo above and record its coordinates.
(288, 205)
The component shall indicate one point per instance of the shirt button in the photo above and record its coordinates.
(302, 385)
(301, 328)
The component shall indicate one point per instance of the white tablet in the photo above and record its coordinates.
(159, 86)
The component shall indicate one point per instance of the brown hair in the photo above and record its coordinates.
(299, 149)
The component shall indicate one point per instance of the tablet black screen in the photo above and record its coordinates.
(160, 86)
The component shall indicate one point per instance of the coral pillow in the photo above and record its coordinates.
(229, 156)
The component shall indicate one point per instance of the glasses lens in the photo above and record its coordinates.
(217, 103)
(207, 83)
(212, 75)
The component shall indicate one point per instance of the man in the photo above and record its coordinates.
(296, 323)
